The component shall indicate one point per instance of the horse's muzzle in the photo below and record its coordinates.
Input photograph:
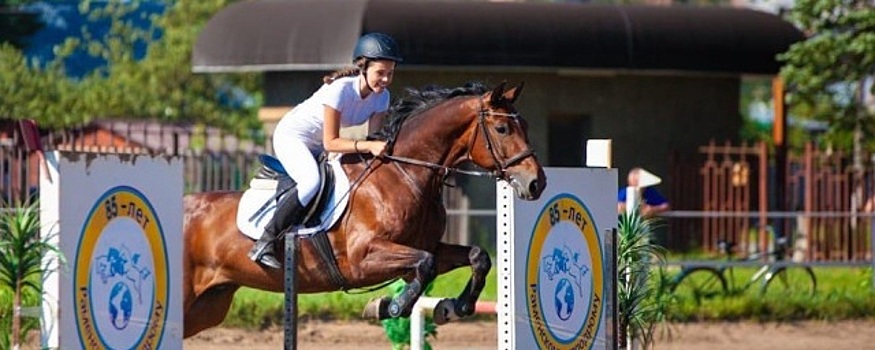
(528, 186)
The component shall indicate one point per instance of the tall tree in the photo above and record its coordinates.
(147, 74)
(161, 84)
(826, 73)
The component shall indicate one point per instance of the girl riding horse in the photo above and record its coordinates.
(349, 97)
(395, 218)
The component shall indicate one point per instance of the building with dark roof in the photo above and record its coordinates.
(656, 80)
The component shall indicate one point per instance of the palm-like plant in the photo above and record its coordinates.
(21, 257)
(640, 306)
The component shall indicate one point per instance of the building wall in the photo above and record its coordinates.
(648, 117)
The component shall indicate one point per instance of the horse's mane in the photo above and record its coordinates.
(417, 101)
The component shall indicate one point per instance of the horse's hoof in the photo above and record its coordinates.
(445, 311)
(377, 308)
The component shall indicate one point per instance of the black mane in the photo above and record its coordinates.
(416, 101)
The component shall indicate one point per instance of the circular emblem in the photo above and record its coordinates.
(120, 274)
(564, 271)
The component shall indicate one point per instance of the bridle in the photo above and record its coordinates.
(501, 165)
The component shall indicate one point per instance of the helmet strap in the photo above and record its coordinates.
(364, 70)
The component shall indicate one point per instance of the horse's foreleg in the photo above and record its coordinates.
(208, 309)
(394, 260)
(454, 256)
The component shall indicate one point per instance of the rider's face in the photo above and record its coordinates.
(379, 74)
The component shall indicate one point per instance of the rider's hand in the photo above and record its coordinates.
(373, 147)
(376, 147)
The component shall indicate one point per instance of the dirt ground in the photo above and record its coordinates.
(483, 335)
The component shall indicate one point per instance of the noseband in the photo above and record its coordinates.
(501, 165)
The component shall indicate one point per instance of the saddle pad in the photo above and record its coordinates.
(255, 197)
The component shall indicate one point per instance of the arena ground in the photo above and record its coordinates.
(479, 335)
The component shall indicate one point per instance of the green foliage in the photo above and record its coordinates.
(21, 259)
(842, 293)
(28, 324)
(398, 329)
(21, 248)
(642, 301)
(29, 90)
(756, 97)
(824, 73)
(259, 309)
(160, 86)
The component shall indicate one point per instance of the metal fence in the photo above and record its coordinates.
(739, 193)
(213, 160)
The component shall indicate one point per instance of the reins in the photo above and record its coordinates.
(443, 170)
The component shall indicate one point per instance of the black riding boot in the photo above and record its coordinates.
(287, 214)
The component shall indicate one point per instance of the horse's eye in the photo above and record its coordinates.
(501, 129)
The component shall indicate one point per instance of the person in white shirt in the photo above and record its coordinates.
(348, 97)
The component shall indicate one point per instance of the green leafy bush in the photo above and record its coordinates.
(21, 267)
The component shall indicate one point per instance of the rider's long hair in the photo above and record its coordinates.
(357, 68)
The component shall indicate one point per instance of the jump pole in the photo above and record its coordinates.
(290, 323)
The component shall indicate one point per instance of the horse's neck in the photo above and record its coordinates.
(436, 135)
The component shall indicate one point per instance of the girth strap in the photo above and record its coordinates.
(326, 254)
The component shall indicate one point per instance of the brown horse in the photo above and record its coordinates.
(395, 219)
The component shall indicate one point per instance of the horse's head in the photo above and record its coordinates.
(500, 143)
(484, 126)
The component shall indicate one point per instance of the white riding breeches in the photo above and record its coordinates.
(300, 164)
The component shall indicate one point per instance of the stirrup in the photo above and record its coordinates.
(263, 256)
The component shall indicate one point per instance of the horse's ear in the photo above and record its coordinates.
(497, 93)
(512, 94)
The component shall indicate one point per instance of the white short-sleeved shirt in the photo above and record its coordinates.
(306, 121)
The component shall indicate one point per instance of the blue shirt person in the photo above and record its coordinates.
(651, 202)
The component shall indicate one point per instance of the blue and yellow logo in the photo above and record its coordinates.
(564, 276)
(121, 274)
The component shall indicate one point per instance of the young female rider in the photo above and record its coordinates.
(349, 97)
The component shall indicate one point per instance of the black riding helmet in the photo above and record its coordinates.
(376, 46)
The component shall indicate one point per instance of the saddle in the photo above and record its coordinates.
(266, 189)
(271, 182)
(272, 169)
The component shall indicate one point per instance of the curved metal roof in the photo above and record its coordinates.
(320, 35)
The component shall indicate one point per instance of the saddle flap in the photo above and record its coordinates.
(319, 203)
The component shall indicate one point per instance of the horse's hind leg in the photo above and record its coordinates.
(454, 256)
(390, 259)
(208, 309)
